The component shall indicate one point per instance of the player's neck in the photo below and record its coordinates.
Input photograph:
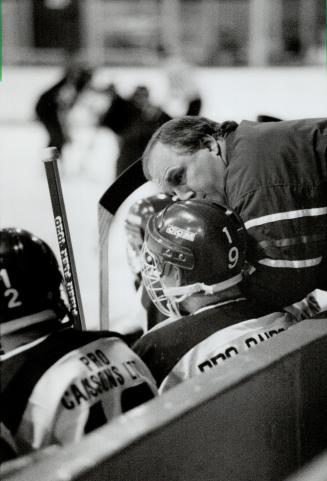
(197, 302)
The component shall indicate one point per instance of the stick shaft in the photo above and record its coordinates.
(110, 201)
(104, 222)
(63, 236)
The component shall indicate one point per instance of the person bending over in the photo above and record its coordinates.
(194, 265)
(57, 383)
(273, 174)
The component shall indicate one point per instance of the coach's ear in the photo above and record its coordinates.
(210, 143)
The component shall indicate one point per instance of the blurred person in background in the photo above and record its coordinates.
(57, 383)
(193, 267)
(120, 114)
(134, 119)
(274, 175)
(55, 103)
(183, 92)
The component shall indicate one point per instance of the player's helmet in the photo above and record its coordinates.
(135, 223)
(204, 240)
(30, 280)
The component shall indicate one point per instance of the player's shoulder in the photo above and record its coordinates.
(75, 337)
(188, 330)
(61, 343)
(172, 338)
(161, 339)
(161, 348)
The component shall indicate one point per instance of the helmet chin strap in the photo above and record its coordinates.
(200, 287)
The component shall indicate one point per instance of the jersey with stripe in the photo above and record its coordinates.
(177, 350)
(71, 383)
(277, 183)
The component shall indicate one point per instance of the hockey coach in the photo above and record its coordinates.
(274, 175)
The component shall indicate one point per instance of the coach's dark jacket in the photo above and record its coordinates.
(277, 181)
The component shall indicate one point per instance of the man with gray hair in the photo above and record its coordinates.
(273, 174)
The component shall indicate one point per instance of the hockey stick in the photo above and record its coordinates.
(51, 156)
(111, 200)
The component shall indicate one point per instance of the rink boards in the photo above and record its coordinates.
(259, 419)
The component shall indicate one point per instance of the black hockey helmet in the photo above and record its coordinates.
(204, 241)
(30, 279)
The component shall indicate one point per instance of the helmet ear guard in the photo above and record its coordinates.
(204, 240)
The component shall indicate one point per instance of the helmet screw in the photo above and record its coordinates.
(168, 252)
(181, 257)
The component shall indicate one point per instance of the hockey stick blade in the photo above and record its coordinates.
(50, 159)
(124, 185)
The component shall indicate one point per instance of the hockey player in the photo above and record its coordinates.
(273, 174)
(54, 104)
(57, 383)
(193, 269)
